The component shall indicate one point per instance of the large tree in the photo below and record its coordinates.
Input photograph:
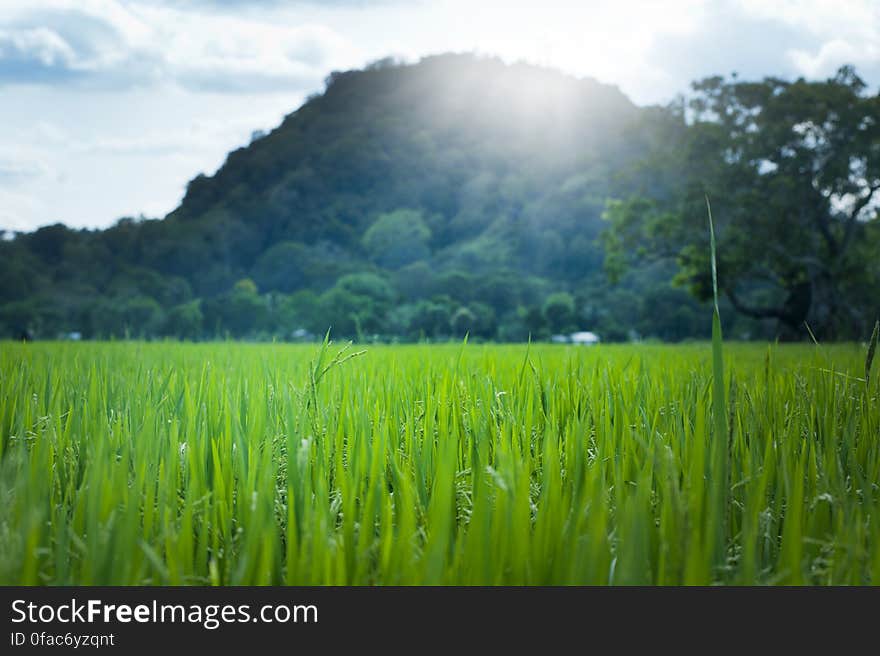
(792, 170)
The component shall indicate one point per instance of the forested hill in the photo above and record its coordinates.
(459, 194)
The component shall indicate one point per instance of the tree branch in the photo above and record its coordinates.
(853, 218)
(805, 261)
(825, 230)
(754, 312)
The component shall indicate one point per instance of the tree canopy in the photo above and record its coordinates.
(793, 171)
(429, 200)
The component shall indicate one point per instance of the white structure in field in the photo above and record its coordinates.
(582, 337)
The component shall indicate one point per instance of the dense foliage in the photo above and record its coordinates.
(793, 171)
(423, 201)
(134, 463)
(457, 195)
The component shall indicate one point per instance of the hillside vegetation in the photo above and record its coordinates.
(463, 195)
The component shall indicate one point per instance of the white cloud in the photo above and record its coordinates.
(200, 136)
(852, 18)
(102, 155)
(116, 104)
(841, 33)
(253, 56)
(111, 43)
(17, 210)
(830, 56)
(40, 44)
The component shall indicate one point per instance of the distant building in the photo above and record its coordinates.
(302, 335)
(584, 337)
(581, 337)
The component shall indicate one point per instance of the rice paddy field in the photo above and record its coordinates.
(223, 464)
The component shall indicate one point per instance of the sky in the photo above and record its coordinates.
(109, 107)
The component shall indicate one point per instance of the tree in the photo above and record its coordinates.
(241, 311)
(397, 238)
(559, 312)
(301, 309)
(792, 170)
(184, 321)
(431, 318)
(347, 313)
(533, 321)
(423, 319)
(137, 316)
(462, 322)
(282, 267)
(369, 285)
(416, 280)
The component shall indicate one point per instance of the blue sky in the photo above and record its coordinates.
(108, 107)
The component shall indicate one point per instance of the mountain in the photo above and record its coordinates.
(459, 194)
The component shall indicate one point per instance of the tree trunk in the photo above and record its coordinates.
(794, 312)
(814, 303)
(823, 316)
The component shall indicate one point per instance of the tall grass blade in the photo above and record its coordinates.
(720, 446)
(872, 349)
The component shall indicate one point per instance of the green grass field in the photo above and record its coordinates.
(166, 463)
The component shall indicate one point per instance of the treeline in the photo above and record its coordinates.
(411, 303)
(457, 195)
